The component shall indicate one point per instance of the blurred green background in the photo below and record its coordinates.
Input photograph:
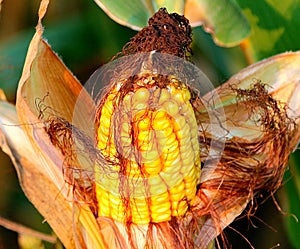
(85, 38)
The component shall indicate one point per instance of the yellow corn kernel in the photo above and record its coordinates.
(140, 99)
(154, 131)
(172, 155)
(172, 163)
(165, 216)
(104, 200)
(149, 156)
(145, 123)
(153, 168)
(156, 186)
(177, 193)
(158, 199)
(164, 207)
(161, 95)
(139, 217)
(171, 107)
(161, 121)
(179, 208)
(145, 136)
(172, 145)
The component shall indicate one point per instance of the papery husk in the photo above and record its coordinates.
(45, 75)
(45, 194)
(42, 192)
(262, 116)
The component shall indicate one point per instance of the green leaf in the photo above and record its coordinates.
(171, 5)
(222, 18)
(274, 25)
(12, 56)
(290, 197)
(133, 14)
(218, 63)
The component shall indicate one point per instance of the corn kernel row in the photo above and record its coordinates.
(150, 137)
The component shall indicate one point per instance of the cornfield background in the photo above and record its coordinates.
(85, 38)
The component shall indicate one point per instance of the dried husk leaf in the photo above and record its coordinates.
(45, 75)
(262, 129)
(42, 192)
(1, 4)
(45, 195)
(2, 95)
(281, 75)
(51, 160)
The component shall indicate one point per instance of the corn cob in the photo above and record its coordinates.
(149, 136)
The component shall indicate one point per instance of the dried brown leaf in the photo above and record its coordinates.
(261, 128)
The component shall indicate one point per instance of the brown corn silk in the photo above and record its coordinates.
(252, 162)
(257, 139)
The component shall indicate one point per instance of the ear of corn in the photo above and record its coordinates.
(149, 136)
